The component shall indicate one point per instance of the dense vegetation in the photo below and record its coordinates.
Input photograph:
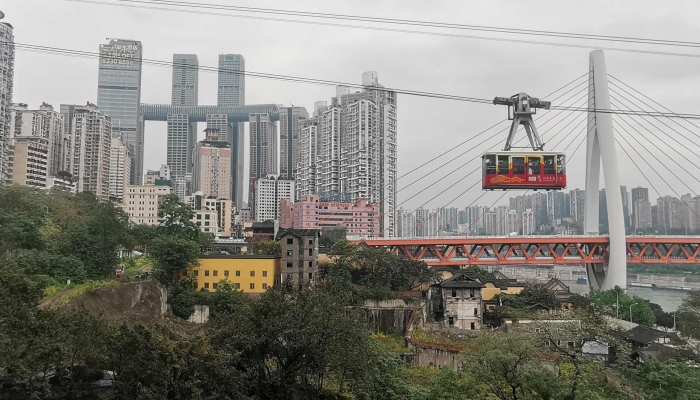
(285, 344)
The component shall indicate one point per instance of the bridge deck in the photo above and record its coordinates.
(512, 250)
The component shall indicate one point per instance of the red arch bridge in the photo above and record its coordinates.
(518, 250)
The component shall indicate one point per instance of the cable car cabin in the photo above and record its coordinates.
(533, 170)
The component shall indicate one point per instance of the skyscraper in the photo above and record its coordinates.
(231, 80)
(182, 134)
(90, 142)
(119, 95)
(44, 123)
(120, 155)
(7, 68)
(290, 128)
(263, 149)
(269, 191)
(212, 166)
(641, 208)
(185, 80)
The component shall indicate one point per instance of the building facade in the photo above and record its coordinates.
(43, 123)
(185, 90)
(28, 161)
(141, 203)
(7, 68)
(299, 265)
(212, 215)
(290, 128)
(249, 274)
(231, 80)
(212, 166)
(263, 150)
(641, 208)
(360, 218)
(119, 95)
(456, 302)
(120, 155)
(269, 192)
(90, 136)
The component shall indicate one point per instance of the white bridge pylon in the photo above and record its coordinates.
(600, 145)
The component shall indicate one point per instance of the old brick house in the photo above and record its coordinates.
(456, 302)
(299, 256)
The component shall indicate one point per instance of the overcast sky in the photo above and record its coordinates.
(426, 126)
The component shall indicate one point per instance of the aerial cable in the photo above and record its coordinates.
(648, 181)
(442, 34)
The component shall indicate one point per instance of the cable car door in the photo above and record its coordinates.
(534, 169)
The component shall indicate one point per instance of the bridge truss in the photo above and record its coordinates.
(540, 250)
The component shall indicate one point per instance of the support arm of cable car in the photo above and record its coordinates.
(521, 108)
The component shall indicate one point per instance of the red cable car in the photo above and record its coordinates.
(526, 170)
(534, 169)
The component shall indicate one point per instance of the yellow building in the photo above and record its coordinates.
(249, 274)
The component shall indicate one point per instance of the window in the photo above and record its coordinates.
(537, 330)
(264, 285)
(196, 273)
(264, 274)
(473, 326)
(311, 264)
(311, 242)
(451, 321)
(290, 241)
(518, 165)
(561, 164)
(226, 274)
(490, 164)
(549, 165)
(215, 285)
(454, 292)
(252, 273)
(206, 285)
(471, 292)
(503, 167)
(290, 265)
(289, 253)
(311, 276)
(533, 165)
(238, 285)
(216, 272)
(476, 311)
(289, 276)
(311, 252)
(252, 286)
(206, 273)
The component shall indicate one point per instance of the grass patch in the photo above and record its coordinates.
(69, 292)
(455, 341)
(422, 376)
(391, 343)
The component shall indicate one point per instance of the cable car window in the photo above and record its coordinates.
(533, 165)
(490, 163)
(518, 165)
(503, 165)
(549, 165)
(561, 164)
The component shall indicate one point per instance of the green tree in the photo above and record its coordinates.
(59, 267)
(689, 316)
(225, 299)
(670, 380)
(172, 254)
(530, 296)
(505, 363)
(607, 300)
(290, 341)
(177, 218)
(268, 248)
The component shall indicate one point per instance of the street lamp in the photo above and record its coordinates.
(631, 305)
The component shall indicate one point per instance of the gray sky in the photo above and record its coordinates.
(427, 127)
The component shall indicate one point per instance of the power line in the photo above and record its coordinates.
(294, 79)
(183, 7)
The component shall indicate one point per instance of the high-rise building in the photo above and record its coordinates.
(161, 174)
(119, 95)
(211, 215)
(355, 146)
(42, 123)
(7, 68)
(120, 155)
(290, 128)
(358, 218)
(641, 208)
(269, 192)
(28, 161)
(577, 202)
(182, 134)
(231, 80)
(141, 202)
(185, 80)
(263, 150)
(90, 134)
(420, 229)
(233, 134)
(212, 166)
